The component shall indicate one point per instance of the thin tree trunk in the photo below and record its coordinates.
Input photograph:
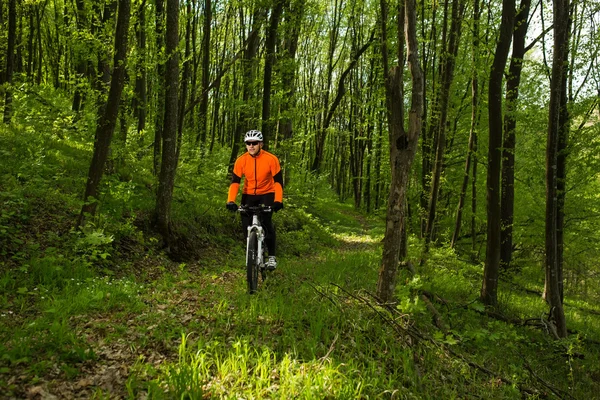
(160, 86)
(474, 121)
(80, 61)
(168, 166)
(320, 144)
(141, 92)
(270, 41)
(556, 118)
(10, 58)
(249, 68)
(446, 83)
(202, 127)
(108, 121)
(513, 80)
(294, 17)
(489, 290)
(187, 71)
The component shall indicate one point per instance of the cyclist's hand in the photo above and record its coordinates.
(231, 206)
(277, 206)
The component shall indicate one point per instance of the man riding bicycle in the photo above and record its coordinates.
(263, 185)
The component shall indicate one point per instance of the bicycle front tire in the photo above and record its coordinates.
(252, 263)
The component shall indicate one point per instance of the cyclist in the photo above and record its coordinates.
(263, 185)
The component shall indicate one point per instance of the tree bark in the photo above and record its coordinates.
(474, 121)
(449, 60)
(513, 81)
(489, 290)
(403, 144)
(185, 78)
(80, 60)
(160, 86)
(202, 127)
(556, 123)
(270, 41)
(249, 68)
(168, 166)
(141, 91)
(10, 58)
(108, 121)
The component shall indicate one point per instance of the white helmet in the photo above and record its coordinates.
(253, 136)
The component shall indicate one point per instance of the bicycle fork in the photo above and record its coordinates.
(260, 235)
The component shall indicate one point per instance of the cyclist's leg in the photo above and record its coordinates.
(248, 200)
(267, 223)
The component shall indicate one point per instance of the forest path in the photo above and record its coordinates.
(120, 351)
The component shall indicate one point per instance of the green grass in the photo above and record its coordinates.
(105, 313)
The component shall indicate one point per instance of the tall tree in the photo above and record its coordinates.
(206, 43)
(10, 57)
(249, 70)
(140, 98)
(440, 115)
(160, 84)
(403, 144)
(108, 119)
(489, 290)
(270, 41)
(513, 81)
(168, 166)
(474, 120)
(556, 123)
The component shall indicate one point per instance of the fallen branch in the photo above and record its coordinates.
(560, 393)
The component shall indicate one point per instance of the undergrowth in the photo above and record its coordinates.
(104, 312)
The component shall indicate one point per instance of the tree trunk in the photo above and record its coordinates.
(202, 127)
(160, 86)
(449, 61)
(10, 57)
(141, 93)
(513, 80)
(270, 41)
(108, 121)
(474, 122)
(489, 290)
(168, 166)
(185, 79)
(249, 67)
(556, 117)
(80, 61)
(403, 145)
(294, 16)
(322, 135)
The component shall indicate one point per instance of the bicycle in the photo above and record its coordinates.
(255, 246)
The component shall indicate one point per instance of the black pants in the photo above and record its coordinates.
(266, 218)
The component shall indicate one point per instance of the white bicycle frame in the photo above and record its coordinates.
(260, 235)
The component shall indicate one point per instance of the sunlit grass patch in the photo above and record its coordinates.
(239, 370)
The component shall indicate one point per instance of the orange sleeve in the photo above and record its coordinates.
(236, 178)
(233, 191)
(278, 179)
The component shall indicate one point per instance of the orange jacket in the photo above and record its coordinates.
(263, 175)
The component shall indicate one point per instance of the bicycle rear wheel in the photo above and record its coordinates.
(252, 263)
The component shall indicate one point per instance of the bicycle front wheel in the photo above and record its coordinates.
(252, 263)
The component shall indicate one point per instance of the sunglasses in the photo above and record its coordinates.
(252, 143)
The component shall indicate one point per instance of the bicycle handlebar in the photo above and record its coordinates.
(255, 209)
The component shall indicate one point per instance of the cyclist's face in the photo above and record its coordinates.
(253, 147)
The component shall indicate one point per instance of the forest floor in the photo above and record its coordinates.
(103, 313)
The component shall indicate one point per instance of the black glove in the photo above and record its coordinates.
(231, 206)
(277, 206)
